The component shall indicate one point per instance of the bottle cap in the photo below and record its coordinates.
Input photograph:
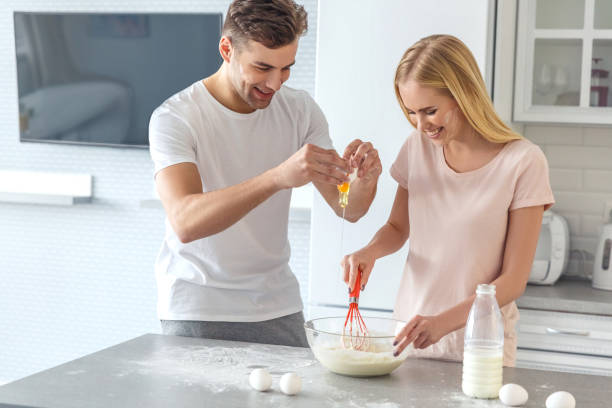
(485, 289)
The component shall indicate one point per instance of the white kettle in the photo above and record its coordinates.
(602, 269)
(552, 252)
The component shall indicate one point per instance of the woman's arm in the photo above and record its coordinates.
(389, 238)
(524, 226)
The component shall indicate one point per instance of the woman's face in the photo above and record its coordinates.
(435, 114)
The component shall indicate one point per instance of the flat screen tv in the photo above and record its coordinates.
(96, 78)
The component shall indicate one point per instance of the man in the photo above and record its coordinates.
(227, 151)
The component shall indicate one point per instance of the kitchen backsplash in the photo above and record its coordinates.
(580, 160)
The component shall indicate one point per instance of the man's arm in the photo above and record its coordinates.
(194, 214)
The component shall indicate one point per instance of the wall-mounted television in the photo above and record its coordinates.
(96, 78)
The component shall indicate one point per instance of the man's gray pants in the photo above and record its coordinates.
(285, 330)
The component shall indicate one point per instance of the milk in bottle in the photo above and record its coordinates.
(484, 346)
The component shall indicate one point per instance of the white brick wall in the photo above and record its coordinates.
(580, 160)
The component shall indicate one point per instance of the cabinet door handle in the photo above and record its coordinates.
(550, 330)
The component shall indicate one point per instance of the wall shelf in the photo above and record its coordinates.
(29, 187)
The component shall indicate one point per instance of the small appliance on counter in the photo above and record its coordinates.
(552, 252)
(602, 273)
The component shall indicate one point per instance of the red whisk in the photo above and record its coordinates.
(355, 332)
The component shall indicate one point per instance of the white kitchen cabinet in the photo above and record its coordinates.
(570, 363)
(563, 61)
(573, 342)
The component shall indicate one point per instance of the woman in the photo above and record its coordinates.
(471, 195)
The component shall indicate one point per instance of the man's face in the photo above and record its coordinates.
(257, 72)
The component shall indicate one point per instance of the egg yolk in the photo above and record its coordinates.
(343, 188)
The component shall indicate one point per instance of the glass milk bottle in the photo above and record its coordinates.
(484, 346)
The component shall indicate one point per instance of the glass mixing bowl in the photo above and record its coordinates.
(334, 351)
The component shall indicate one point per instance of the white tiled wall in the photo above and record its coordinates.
(77, 279)
(580, 159)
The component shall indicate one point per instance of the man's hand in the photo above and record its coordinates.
(364, 157)
(361, 156)
(312, 163)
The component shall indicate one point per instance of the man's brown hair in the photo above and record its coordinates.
(272, 23)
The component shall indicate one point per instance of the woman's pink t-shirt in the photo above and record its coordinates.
(458, 224)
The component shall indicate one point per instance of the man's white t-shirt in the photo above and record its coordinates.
(241, 274)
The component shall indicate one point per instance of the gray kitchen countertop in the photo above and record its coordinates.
(167, 371)
(567, 295)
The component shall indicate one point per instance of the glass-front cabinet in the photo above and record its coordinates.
(564, 61)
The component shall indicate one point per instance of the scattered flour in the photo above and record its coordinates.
(221, 368)
(460, 400)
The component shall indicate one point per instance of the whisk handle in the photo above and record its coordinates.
(357, 288)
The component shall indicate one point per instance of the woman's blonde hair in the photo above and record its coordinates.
(445, 62)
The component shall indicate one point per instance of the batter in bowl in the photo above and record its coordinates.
(377, 360)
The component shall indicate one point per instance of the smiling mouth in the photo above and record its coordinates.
(263, 95)
(434, 133)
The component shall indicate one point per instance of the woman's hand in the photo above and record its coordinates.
(351, 264)
(421, 331)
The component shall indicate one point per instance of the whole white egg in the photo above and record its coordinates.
(560, 399)
(513, 395)
(260, 379)
(290, 384)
